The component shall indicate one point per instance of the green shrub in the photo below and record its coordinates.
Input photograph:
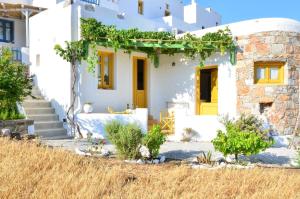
(14, 84)
(112, 129)
(251, 123)
(241, 138)
(127, 139)
(153, 140)
(10, 115)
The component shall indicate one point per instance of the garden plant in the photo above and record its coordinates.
(15, 85)
(128, 139)
(244, 136)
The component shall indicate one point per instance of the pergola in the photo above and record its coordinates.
(19, 11)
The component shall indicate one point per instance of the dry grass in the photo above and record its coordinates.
(28, 171)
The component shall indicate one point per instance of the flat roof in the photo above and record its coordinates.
(255, 26)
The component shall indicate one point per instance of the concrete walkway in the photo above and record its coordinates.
(188, 151)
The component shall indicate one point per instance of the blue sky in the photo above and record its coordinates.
(237, 10)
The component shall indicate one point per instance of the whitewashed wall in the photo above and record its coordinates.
(195, 14)
(53, 74)
(177, 83)
(95, 122)
(121, 95)
(19, 34)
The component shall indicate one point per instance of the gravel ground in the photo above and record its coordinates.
(188, 151)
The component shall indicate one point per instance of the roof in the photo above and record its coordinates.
(11, 10)
(255, 26)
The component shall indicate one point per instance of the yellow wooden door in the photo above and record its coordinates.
(207, 108)
(140, 82)
(214, 86)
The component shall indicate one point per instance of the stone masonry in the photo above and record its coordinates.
(282, 99)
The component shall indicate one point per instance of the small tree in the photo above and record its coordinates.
(241, 137)
(15, 85)
(153, 140)
(74, 52)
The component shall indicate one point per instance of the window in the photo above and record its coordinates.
(37, 60)
(106, 70)
(141, 7)
(269, 72)
(167, 11)
(6, 31)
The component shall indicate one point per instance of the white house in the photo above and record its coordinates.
(264, 81)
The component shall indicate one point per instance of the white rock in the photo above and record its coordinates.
(156, 161)
(6, 132)
(140, 161)
(229, 159)
(162, 159)
(149, 162)
(145, 152)
(79, 152)
(104, 152)
(223, 164)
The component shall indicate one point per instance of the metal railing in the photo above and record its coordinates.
(96, 2)
(17, 54)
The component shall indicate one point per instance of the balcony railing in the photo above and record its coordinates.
(17, 54)
(96, 2)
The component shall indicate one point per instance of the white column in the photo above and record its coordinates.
(27, 14)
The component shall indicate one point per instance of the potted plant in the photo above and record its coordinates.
(88, 107)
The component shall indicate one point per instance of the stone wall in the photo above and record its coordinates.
(281, 100)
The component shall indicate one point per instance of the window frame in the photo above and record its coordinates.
(101, 83)
(12, 32)
(267, 66)
(141, 7)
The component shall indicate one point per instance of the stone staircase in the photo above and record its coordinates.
(46, 121)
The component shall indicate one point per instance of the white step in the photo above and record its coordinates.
(51, 132)
(36, 104)
(47, 125)
(44, 117)
(39, 111)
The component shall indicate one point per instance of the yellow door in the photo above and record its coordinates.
(214, 86)
(139, 82)
(207, 106)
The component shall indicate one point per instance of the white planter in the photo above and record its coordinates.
(87, 108)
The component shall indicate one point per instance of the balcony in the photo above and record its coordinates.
(95, 2)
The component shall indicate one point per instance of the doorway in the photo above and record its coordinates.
(140, 82)
(207, 91)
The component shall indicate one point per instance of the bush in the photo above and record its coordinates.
(127, 139)
(14, 84)
(112, 129)
(10, 115)
(251, 123)
(241, 138)
(153, 140)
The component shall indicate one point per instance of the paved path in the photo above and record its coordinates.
(188, 151)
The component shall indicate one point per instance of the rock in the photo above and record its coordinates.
(162, 159)
(5, 132)
(145, 152)
(149, 162)
(140, 161)
(195, 160)
(79, 152)
(229, 159)
(219, 160)
(104, 152)
(223, 164)
(156, 161)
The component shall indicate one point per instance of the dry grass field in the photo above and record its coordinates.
(28, 171)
